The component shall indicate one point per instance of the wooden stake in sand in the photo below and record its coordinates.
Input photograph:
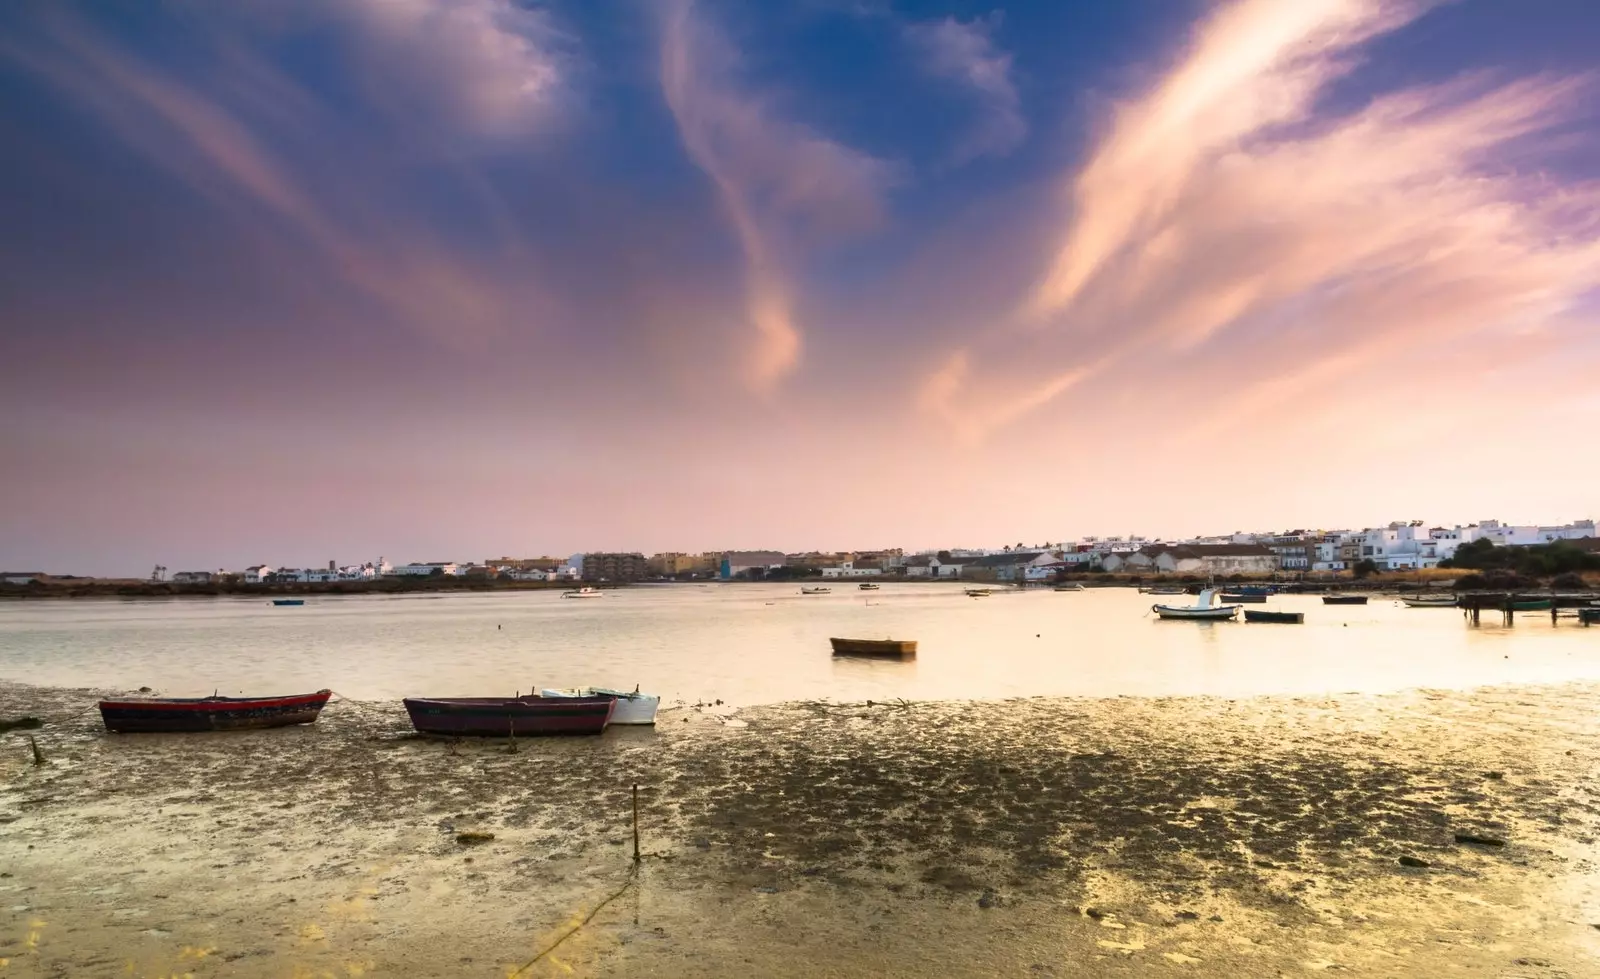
(636, 822)
(38, 760)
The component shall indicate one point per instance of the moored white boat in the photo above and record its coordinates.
(1202, 609)
(1431, 601)
(820, 590)
(584, 592)
(632, 708)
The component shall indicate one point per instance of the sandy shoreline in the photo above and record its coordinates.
(1056, 837)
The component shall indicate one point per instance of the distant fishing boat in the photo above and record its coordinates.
(1163, 590)
(584, 592)
(1242, 597)
(868, 586)
(288, 601)
(1266, 615)
(1431, 601)
(1344, 599)
(632, 707)
(819, 590)
(892, 648)
(509, 716)
(151, 715)
(1201, 609)
(978, 592)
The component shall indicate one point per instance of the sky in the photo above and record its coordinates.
(285, 281)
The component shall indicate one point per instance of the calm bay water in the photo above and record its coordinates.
(754, 644)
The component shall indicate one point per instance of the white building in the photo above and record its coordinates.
(848, 569)
(428, 568)
(256, 574)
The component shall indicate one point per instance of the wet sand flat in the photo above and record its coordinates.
(1034, 837)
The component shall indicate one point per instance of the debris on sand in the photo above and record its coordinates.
(1477, 840)
(1410, 861)
(473, 837)
(21, 724)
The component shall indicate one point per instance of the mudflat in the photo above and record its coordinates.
(1424, 833)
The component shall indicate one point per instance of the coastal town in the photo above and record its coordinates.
(1398, 546)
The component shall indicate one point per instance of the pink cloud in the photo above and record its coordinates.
(779, 182)
(1222, 225)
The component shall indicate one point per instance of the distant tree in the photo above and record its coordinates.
(1365, 568)
(944, 557)
(1568, 581)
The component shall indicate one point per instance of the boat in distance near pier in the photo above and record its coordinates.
(161, 715)
(891, 648)
(1344, 599)
(1201, 609)
(1431, 601)
(518, 717)
(1266, 615)
(632, 707)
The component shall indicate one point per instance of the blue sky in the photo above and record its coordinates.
(345, 264)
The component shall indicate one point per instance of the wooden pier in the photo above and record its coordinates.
(1508, 604)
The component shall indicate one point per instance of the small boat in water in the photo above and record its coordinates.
(891, 648)
(1531, 605)
(288, 601)
(1243, 597)
(978, 593)
(1266, 615)
(584, 592)
(509, 716)
(819, 590)
(1201, 609)
(1344, 599)
(632, 707)
(868, 586)
(153, 715)
(1430, 601)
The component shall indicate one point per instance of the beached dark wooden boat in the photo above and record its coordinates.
(893, 648)
(1245, 597)
(288, 601)
(157, 715)
(510, 716)
(1265, 615)
(1344, 599)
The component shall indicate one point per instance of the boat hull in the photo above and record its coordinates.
(173, 716)
(1344, 599)
(1535, 605)
(631, 707)
(883, 648)
(1263, 615)
(1241, 598)
(1190, 612)
(509, 716)
(1430, 602)
(288, 601)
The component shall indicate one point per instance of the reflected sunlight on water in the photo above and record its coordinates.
(753, 644)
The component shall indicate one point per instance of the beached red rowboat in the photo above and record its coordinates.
(167, 714)
(510, 716)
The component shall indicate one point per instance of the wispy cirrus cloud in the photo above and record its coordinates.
(237, 132)
(965, 52)
(1228, 223)
(778, 181)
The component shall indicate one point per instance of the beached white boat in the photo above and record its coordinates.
(1201, 609)
(632, 708)
(816, 591)
(1431, 601)
(1069, 586)
(978, 592)
(867, 586)
(584, 592)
